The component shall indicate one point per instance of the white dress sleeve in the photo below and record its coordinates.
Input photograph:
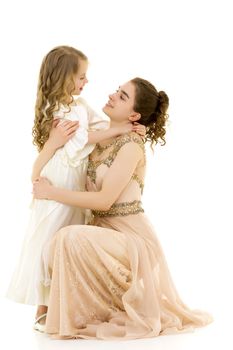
(77, 148)
(95, 121)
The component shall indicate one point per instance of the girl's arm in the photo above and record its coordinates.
(101, 135)
(101, 122)
(116, 179)
(42, 159)
(59, 135)
(95, 120)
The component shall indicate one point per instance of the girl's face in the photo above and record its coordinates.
(120, 104)
(80, 78)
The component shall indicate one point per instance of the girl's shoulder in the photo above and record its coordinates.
(76, 111)
(79, 101)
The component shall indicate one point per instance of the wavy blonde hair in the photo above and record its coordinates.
(55, 87)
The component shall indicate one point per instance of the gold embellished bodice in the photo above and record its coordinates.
(100, 160)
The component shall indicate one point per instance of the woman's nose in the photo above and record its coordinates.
(112, 96)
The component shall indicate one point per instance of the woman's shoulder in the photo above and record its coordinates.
(131, 137)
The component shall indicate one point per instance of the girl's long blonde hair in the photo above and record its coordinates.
(55, 87)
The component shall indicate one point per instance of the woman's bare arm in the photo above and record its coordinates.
(116, 179)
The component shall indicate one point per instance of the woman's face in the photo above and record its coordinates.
(120, 104)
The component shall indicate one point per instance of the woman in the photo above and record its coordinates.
(110, 279)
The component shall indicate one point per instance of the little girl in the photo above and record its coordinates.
(62, 75)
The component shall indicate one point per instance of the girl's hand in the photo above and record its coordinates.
(124, 129)
(136, 127)
(61, 133)
(139, 129)
(41, 188)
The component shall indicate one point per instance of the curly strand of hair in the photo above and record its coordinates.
(152, 105)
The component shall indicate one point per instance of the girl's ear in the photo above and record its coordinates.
(134, 117)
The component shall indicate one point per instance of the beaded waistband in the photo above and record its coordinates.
(121, 209)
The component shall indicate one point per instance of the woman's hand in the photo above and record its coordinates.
(41, 188)
(139, 129)
(61, 133)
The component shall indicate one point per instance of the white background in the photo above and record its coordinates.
(184, 48)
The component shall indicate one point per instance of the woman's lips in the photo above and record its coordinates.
(108, 104)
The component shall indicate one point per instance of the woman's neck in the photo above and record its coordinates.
(113, 124)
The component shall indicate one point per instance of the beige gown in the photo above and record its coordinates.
(110, 279)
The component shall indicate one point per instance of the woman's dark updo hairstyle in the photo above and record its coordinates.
(152, 105)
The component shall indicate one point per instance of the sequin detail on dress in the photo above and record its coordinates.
(139, 181)
(117, 144)
(121, 209)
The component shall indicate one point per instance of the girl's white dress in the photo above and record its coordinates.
(66, 169)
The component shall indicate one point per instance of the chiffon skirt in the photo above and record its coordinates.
(111, 281)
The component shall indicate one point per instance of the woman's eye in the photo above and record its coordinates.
(121, 96)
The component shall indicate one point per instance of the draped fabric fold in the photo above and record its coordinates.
(110, 279)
